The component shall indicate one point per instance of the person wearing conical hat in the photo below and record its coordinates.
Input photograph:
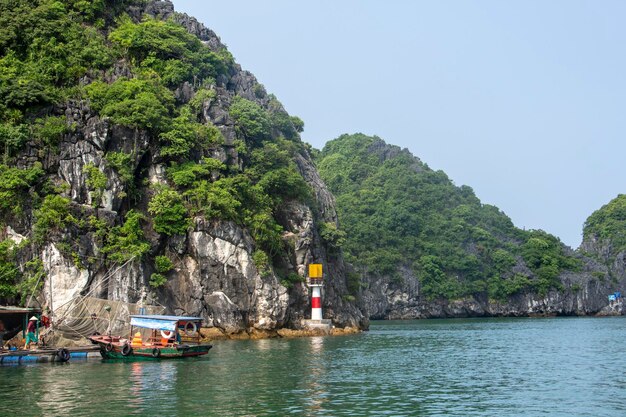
(31, 332)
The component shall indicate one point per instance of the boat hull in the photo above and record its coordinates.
(157, 353)
(117, 348)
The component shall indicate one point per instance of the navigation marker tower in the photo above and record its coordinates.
(315, 282)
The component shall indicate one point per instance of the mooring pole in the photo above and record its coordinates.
(51, 307)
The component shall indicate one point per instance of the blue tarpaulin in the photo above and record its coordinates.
(160, 322)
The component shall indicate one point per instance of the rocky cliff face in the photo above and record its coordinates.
(584, 293)
(214, 273)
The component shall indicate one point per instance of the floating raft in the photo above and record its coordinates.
(48, 354)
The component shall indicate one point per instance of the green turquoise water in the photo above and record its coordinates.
(478, 367)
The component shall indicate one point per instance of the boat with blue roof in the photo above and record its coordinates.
(155, 337)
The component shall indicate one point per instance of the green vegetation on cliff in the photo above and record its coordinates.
(609, 224)
(106, 59)
(398, 213)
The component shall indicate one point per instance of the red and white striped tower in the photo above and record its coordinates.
(315, 282)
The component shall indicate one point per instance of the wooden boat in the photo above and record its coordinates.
(155, 337)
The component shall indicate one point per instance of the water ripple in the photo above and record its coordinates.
(487, 367)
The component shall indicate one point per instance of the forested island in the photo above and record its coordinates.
(141, 164)
(422, 247)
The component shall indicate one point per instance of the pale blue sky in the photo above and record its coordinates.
(521, 100)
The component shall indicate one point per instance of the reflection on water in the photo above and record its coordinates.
(315, 394)
(506, 367)
(317, 344)
(136, 400)
(263, 344)
(153, 382)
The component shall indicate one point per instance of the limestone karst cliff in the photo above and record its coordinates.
(143, 165)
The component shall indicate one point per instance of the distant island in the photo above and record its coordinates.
(420, 246)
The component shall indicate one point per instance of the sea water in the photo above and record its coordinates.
(474, 367)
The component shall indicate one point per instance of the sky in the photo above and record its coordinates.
(521, 100)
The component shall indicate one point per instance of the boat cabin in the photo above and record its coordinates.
(155, 337)
(164, 331)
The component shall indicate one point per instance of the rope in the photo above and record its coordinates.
(104, 279)
(89, 315)
(83, 314)
(35, 289)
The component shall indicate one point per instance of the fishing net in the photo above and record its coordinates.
(85, 316)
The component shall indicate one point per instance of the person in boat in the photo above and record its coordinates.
(31, 332)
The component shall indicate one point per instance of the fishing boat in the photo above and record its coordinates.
(155, 337)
